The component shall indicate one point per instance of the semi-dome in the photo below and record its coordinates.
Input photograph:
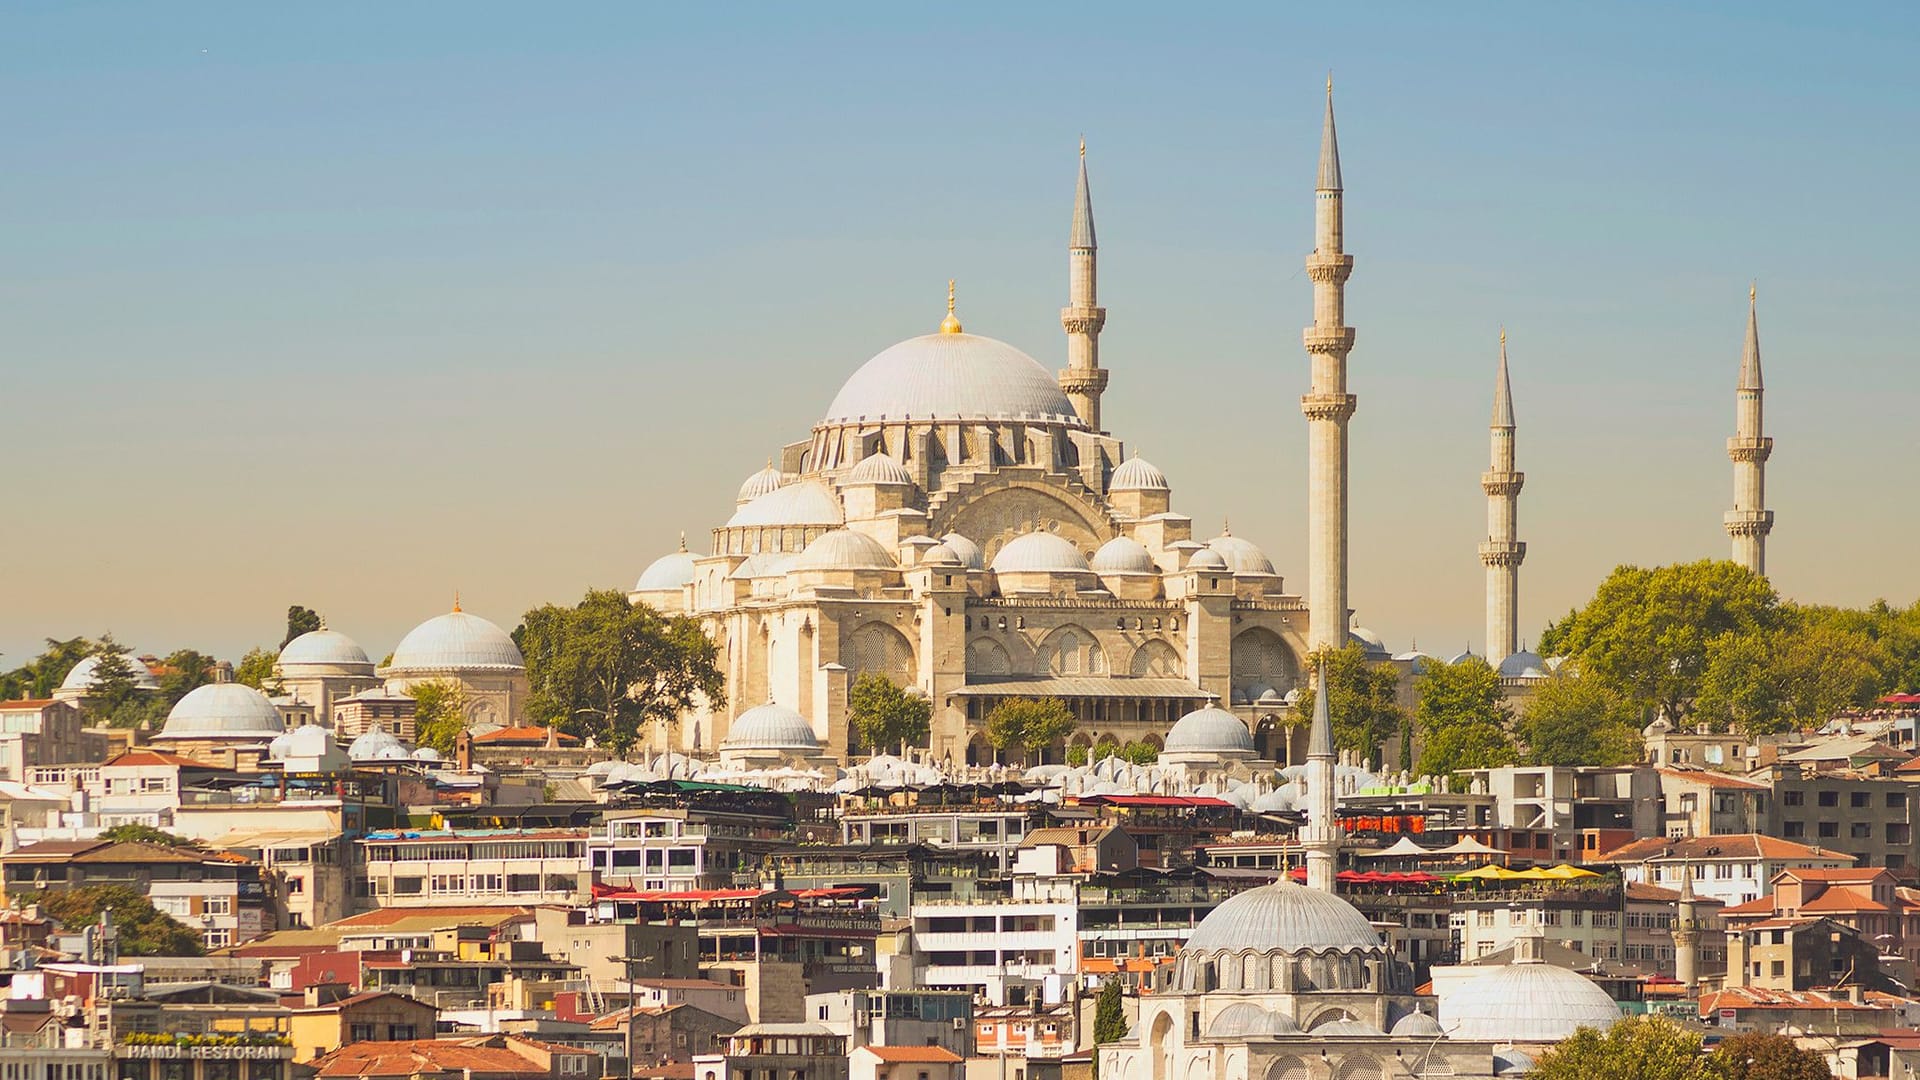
(1244, 1020)
(324, 646)
(1527, 1003)
(1138, 474)
(770, 727)
(970, 554)
(1209, 730)
(948, 377)
(1523, 665)
(81, 676)
(1039, 552)
(764, 482)
(804, 502)
(880, 469)
(669, 571)
(844, 549)
(1123, 555)
(1282, 917)
(1243, 556)
(224, 711)
(456, 640)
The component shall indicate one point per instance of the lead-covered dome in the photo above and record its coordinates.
(951, 376)
(880, 469)
(224, 711)
(1207, 731)
(1039, 552)
(81, 676)
(970, 554)
(1138, 474)
(456, 640)
(844, 549)
(1524, 664)
(1527, 1003)
(1283, 917)
(323, 646)
(669, 571)
(764, 482)
(1242, 556)
(804, 502)
(771, 727)
(1123, 555)
(1244, 1019)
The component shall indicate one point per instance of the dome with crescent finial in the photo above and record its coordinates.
(456, 641)
(1243, 556)
(669, 571)
(970, 554)
(1039, 552)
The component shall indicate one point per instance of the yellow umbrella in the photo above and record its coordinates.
(1567, 872)
(1489, 872)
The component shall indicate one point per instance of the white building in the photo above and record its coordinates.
(517, 867)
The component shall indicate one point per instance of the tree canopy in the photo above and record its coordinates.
(1364, 703)
(1760, 1056)
(144, 834)
(1109, 1018)
(1029, 723)
(439, 714)
(1577, 720)
(606, 668)
(1635, 1048)
(1463, 717)
(885, 716)
(39, 677)
(143, 929)
(300, 620)
(256, 670)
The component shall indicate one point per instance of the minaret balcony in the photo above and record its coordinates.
(1329, 269)
(1338, 407)
(1083, 320)
(1750, 449)
(1083, 380)
(1749, 522)
(1502, 485)
(1337, 340)
(1502, 552)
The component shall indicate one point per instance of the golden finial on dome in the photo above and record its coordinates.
(950, 324)
(1753, 292)
(456, 601)
(1083, 147)
(683, 540)
(1329, 82)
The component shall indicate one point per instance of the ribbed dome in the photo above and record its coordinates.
(1039, 552)
(1246, 1020)
(844, 549)
(1138, 474)
(224, 711)
(1123, 555)
(765, 481)
(1523, 665)
(456, 640)
(951, 376)
(970, 554)
(804, 502)
(80, 676)
(323, 646)
(669, 571)
(770, 727)
(1242, 555)
(1283, 917)
(1209, 730)
(1527, 1003)
(373, 745)
(880, 469)
(1416, 1025)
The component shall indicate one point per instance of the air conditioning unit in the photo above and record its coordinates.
(959, 1023)
(862, 1019)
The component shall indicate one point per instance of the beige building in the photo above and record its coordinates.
(45, 731)
(321, 668)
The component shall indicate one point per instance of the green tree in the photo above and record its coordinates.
(1076, 754)
(187, 671)
(256, 670)
(1029, 724)
(1364, 703)
(1109, 1019)
(145, 834)
(884, 715)
(114, 688)
(1574, 720)
(1139, 752)
(606, 668)
(300, 620)
(439, 714)
(143, 929)
(1636, 1048)
(1463, 718)
(41, 676)
(1646, 632)
(1759, 1056)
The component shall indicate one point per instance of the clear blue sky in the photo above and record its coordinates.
(354, 305)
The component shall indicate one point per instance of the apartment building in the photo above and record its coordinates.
(462, 867)
(1866, 816)
(661, 849)
(1730, 869)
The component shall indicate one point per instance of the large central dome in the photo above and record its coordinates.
(951, 376)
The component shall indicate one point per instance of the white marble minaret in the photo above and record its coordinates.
(1084, 379)
(1500, 552)
(1328, 406)
(1749, 522)
(1320, 836)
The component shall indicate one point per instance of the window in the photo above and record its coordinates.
(1860, 799)
(1896, 800)
(1779, 968)
(218, 938)
(1829, 798)
(401, 1033)
(1793, 798)
(1829, 830)
(1793, 829)
(217, 905)
(359, 1032)
(409, 886)
(1860, 830)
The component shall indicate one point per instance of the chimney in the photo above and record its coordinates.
(463, 751)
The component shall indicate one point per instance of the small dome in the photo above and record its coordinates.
(80, 677)
(323, 646)
(844, 549)
(941, 555)
(1527, 1003)
(426, 753)
(669, 571)
(1512, 1063)
(1346, 1027)
(1242, 555)
(1137, 474)
(1207, 559)
(1209, 730)
(376, 745)
(764, 482)
(1370, 643)
(803, 502)
(1282, 917)
(1123, 555)
(224, 711)
(1416, 1024)
(456, 640)
(1039, 552)
(1523, 665)
(970, 554)
(1468, 655)
(880, 469)
(1244, 1020)
(770, 727)
(953, 376)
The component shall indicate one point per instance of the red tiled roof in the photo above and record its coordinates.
(1754, 997)
(1835, 874)
(1839, 899)
(489, 1056)
(913, 1054)
(1714, 779)
(139, 758)
(1761, 906)
(36, 704)
(379, 917)
(525, 733)
(1737, 846)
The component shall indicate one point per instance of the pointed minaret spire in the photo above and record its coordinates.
(1083, 380)
(1327, 405)
(1749, 522)
(1320, 836)
(1502, 552)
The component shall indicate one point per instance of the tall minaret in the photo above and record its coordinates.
(1749, 521)
(1500, 552)
(1084, 379)
(1320, 836)
(1686, 932)
(1328, 406)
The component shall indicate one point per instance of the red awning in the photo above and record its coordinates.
(691, 896)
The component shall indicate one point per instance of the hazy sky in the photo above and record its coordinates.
(356, 305)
